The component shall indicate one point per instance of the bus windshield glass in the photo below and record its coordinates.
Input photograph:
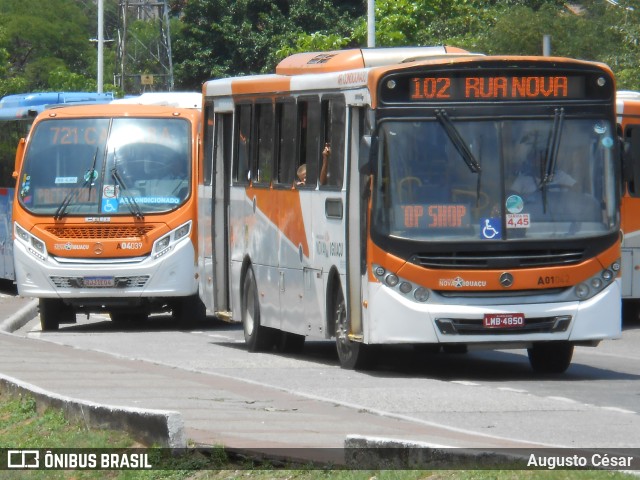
(507, 179)
(102, 166)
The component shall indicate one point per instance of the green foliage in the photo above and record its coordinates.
(45, 45)
(42, 36)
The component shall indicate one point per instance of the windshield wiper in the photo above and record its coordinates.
(458, 141)
(132, 205)
(553, 145)
(73, 194)
(551, 157)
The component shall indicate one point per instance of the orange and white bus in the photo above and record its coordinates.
(105, 212)
(451, 200)
(628, 111)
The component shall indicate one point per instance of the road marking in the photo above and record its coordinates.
(515, 390)
(465, 382)
(619, 410)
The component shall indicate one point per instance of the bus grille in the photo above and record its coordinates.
(100, 232)
(483, 260)
(137, 281)
(463, 326)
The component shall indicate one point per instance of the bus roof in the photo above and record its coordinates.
(119, 110)
(174, 99)
(359, 68)
(25, 105)
(341, 60)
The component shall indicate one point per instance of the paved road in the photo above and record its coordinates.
(478, 399)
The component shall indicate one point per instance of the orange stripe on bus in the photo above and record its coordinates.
(282, 207)
(524, 279)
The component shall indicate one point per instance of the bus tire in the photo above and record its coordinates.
(352, 355)
(51, 311)
(256, 336)
(551, 357)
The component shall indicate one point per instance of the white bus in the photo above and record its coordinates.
(415, 223)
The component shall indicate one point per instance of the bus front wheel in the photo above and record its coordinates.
(552, 357)
(53, 312)
(256, 336)
(352, 355)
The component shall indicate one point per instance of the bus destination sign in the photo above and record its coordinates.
(495, 86)
(446, 88)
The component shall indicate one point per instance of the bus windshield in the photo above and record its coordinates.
(506, 179)
(106, 166)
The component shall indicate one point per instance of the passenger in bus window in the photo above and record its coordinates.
(302, 169)
(302, 174)
(326, 153)
(529, 160)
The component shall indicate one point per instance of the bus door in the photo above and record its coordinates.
(357, 203)
(213, 212)
(223, 125)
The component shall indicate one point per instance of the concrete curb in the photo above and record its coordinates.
(20, 318)
(162, 428)
(390, 453)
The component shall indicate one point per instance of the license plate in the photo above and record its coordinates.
(503, 320)
(97, 282)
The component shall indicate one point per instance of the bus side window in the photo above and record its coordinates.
(310, 128)
(208, 145)
(242, 143)
(263, 173)
(334, 111)
(286, 135)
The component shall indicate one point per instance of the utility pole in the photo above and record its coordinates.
(371, 23)
(100, 79)
(144, 63)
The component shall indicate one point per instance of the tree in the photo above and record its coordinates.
(221, 38)
(42, 36)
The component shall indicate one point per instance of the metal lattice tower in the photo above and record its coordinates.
(143, 59)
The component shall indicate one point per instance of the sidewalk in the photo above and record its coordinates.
(170, 407)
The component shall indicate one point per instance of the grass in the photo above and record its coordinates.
(23, 427)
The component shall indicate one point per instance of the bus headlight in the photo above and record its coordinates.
(165, 244)
(401, 286)
(33, 244)
(598, 282)
(582, 291)
(421, 294)
(392, 280)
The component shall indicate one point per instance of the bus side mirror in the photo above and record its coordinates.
(19, 157)
(368, 149)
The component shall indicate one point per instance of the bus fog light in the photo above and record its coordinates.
(582, 290)
(607, 275)
(421, 294)
(596, 283)
(615, 266)
(391, 280)
(379, 271)
(405, 287)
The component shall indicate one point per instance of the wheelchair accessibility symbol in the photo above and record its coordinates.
(109, 205)
(490, 228)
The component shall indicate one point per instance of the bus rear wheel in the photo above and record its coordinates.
(552, 357)
(256, 336)
(53, 312)
(352, 355)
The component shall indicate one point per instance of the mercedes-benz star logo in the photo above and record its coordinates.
(506, 280)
